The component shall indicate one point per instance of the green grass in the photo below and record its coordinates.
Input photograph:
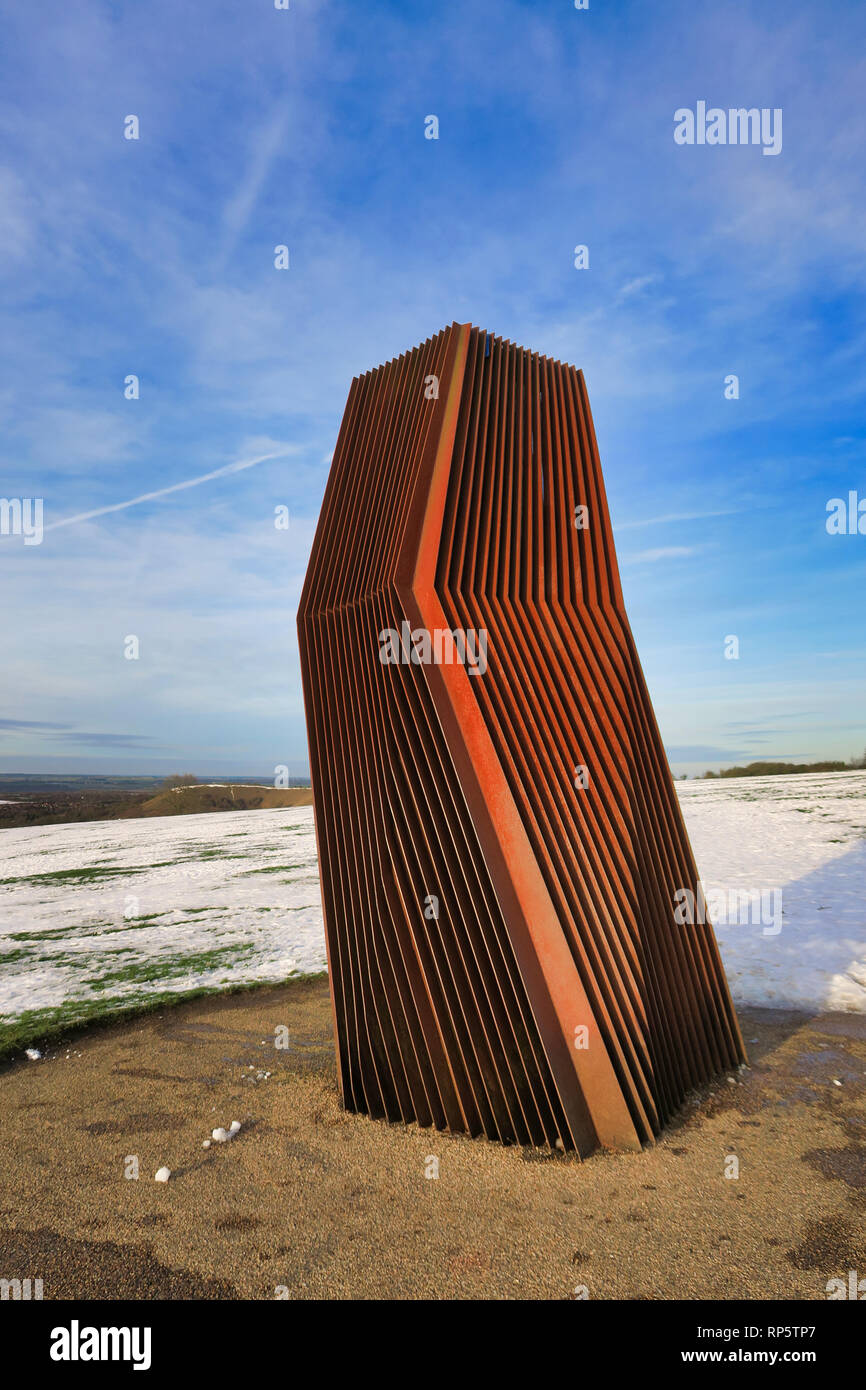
(92, 929)
(75, 960)
(165, 967)
(274, 869)
(217, 854)
(130, 924)
(46, 1027)
(63, 959)
(200, 852)
(17, 953)
(107, 928)
(89, 874)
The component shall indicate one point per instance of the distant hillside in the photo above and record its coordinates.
(193, 800)
(65, 807)
(62, 807)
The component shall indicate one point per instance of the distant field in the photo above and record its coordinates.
(96, 917)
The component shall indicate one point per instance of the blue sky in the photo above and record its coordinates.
(305, 127)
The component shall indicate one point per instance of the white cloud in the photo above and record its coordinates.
(663, 552)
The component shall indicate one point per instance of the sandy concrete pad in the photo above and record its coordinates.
(325, 1204)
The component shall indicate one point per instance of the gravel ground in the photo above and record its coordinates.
(312, 1202)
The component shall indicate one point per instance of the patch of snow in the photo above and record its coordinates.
(230, 786)
(223, 1135)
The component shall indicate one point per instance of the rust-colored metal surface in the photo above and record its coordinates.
(500, 841)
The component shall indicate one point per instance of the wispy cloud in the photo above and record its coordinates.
(30, 724)
(662, 552)
(238, 467)
(266, 145)
(101, 740)
(673, 517)
(702, 752)
(641, 282)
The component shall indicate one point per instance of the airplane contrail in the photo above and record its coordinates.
(175, 487)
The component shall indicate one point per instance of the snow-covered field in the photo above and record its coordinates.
(113, 911)
(103, 914)
(802, 838)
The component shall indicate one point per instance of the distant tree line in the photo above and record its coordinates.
(774, 769)
(180, 779)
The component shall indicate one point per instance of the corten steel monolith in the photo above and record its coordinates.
(500, 841)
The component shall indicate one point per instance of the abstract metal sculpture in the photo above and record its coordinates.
(500, 841)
